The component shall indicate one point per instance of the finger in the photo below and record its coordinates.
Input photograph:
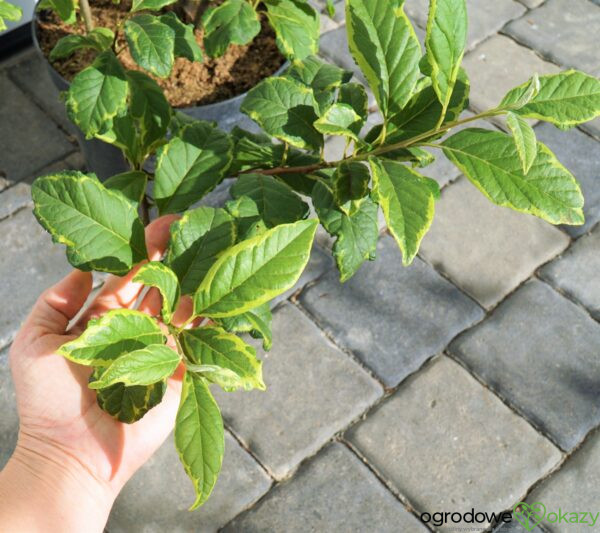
(151, 303)
(184, 311)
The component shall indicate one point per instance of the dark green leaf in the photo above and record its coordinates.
(185, 40)
(130, 184)
(315, 73)
(257, 322)
(254, 151)
(296, 25)
(151, 43)
(65, 9)
(155, 274)
(121, 132)
(350, 182)
(99, 39)
(151, 5)
(354, 95)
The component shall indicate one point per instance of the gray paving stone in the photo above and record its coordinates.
(392, 318)
(14, 198)
(574, 488)
(26, 149)
(9, 421)
(334, 46)
(334, 491)
(515, 527)
(29, 264)
(593, 127)
(313, 391)
(448, 444)
(562, 31)
(532, 3)
(540, 352)
(156, 499)
(576, 272)
(485, 18)
(485, 249)
(581, 155)
(498, 65)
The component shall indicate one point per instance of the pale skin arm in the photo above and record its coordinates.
(71, 458)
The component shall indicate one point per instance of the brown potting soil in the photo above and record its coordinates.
(190, 83)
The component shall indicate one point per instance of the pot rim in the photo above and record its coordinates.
(208, 107)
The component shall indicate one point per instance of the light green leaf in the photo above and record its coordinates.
(565, 99)
(445, 44)
(524, 138)
(491, 161)
(101, 229)
(232, 22)
(533, 88)
(354, 95)
(185, 40)
(257, 322)
(385, 46)
(151, 5)
(340, 119)
(97, 94)
(99, 39)
(130, 184)
(315, 73)
(255, 271)
(407, 201)
(285, 109)
(237, 360)
(297, 27)
(197, 239)
(65, 9)
(350, 182)
(248, 221)
(190, 166)
(145, 366)
(330, 8)
(151, 43)
(155, 274)
(275, 201)
(114, 334)
(9, 12)
(199, 436)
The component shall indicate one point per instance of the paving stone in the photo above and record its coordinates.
(448, 444)
(14, 198)
(9, 421)
(540, 352)
(157, 498)
(509, 245)
(313, 391)
(581, 155)
(29, 264)
(334, 46)
(574, 488)
(334, 491)
(498, 65)
(593, 127)
(562, 31)
(485, 19)
(515, 527)
(532, 3)
(576, 272)
(393, 318)
(26, 150)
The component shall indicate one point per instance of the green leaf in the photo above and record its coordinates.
(276, 202)
(114, 334)
(132, 185)
(185, 40)
(101, 229)
(491, 161)
(407, 200)
(9, 12)
(155, 274)
(151, 5)
(197, 239)
(524, 138)
(315, 73)
(145, 366)
(212, 345)
(565, 99)
(232, 22)
(121, 132)
(99, 39)
(257, 322)
(65, 9)
(151, 43)
(190, 166)
(297, 27)
(445, 44)
(97, 94)
(350, 182)
(385, 46)
(254, 151)
(285, 109)
(255, 271)
(330, 8)
(248, 221)
(150, 108)
(199, 436)
(354, 95)
(356, 231)
(340, 119)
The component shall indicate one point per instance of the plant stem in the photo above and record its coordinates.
(145, 210)
(202, 5)
(86, 12)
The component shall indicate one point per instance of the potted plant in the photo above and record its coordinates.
(233, 260)
(204, 56)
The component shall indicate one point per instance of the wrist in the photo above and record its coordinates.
(44, 488)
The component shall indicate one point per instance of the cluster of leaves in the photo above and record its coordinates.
(10, 12)
(233, 260)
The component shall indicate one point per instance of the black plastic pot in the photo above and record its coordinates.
(105, 160)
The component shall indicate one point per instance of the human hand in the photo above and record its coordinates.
(67, 446)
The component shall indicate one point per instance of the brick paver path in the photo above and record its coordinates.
(469, 380)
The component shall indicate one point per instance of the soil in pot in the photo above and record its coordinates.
(191, 83)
